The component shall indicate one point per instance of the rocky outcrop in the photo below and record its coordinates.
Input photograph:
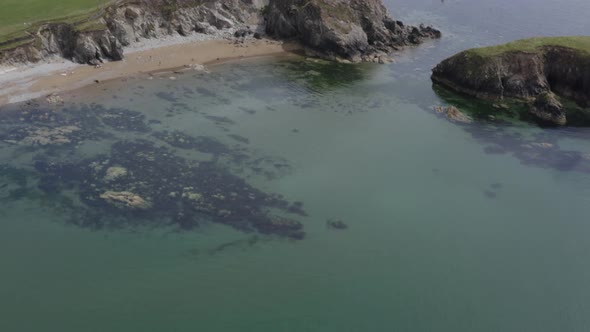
(454, 114)
(529, 74)
(355, 30)
(103, 35)
(350, 29)
(547, 108)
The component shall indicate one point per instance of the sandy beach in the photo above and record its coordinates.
(58, 76)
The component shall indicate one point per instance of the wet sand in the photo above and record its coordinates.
(62, 76)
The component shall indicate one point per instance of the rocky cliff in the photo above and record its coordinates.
(103, 35)
(533, 71)
(355, 30)
(350, 29)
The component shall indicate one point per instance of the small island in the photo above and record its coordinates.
(549, 75)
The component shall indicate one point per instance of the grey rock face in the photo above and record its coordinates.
(123, 23)
(354, 30)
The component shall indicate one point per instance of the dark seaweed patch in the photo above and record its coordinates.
(490, 194)
(239, 138)
(205, 92)
(140, 182)
(122, 119)
(247, 110)
(220, 120)
(200, 143)
(167, 96)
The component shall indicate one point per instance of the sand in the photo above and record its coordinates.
(58, 75)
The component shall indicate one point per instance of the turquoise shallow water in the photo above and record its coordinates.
(479, 227)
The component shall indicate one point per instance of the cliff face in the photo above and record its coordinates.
(356, 30)
(352, 29)
(532, 76)
(118, 25)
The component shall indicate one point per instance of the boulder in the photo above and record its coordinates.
(453, 114)
(547, 108)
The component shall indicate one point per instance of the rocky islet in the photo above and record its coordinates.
(550, 76)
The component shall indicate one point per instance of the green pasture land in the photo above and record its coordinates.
(580, 43)
(16, 16)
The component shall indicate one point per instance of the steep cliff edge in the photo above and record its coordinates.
(350, 29)
(532, 70)
(355, 30)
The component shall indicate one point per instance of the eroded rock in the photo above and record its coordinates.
(125, 199)
(453, 114)
(547, 108)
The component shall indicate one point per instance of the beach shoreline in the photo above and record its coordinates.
(152, 56)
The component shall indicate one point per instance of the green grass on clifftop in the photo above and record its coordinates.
(16, 16)
(581, 43)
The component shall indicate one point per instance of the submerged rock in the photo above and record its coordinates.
(454, 114)
(336, 224)
(126, 199)
(281, 225)
(54, 99)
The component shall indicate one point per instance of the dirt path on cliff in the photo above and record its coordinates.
(61, 76)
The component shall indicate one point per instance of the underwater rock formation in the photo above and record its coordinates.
(141, 181)
(125, 199)
(134, 176)
(336, 224)
(453, 114)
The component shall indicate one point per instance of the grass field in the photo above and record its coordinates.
(17, 15)
(581, 43)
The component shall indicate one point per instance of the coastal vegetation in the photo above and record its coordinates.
(580, 43)
(18, 17)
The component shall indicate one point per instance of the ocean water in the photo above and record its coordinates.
(451, 226)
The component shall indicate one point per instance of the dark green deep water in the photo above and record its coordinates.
(478, 227)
